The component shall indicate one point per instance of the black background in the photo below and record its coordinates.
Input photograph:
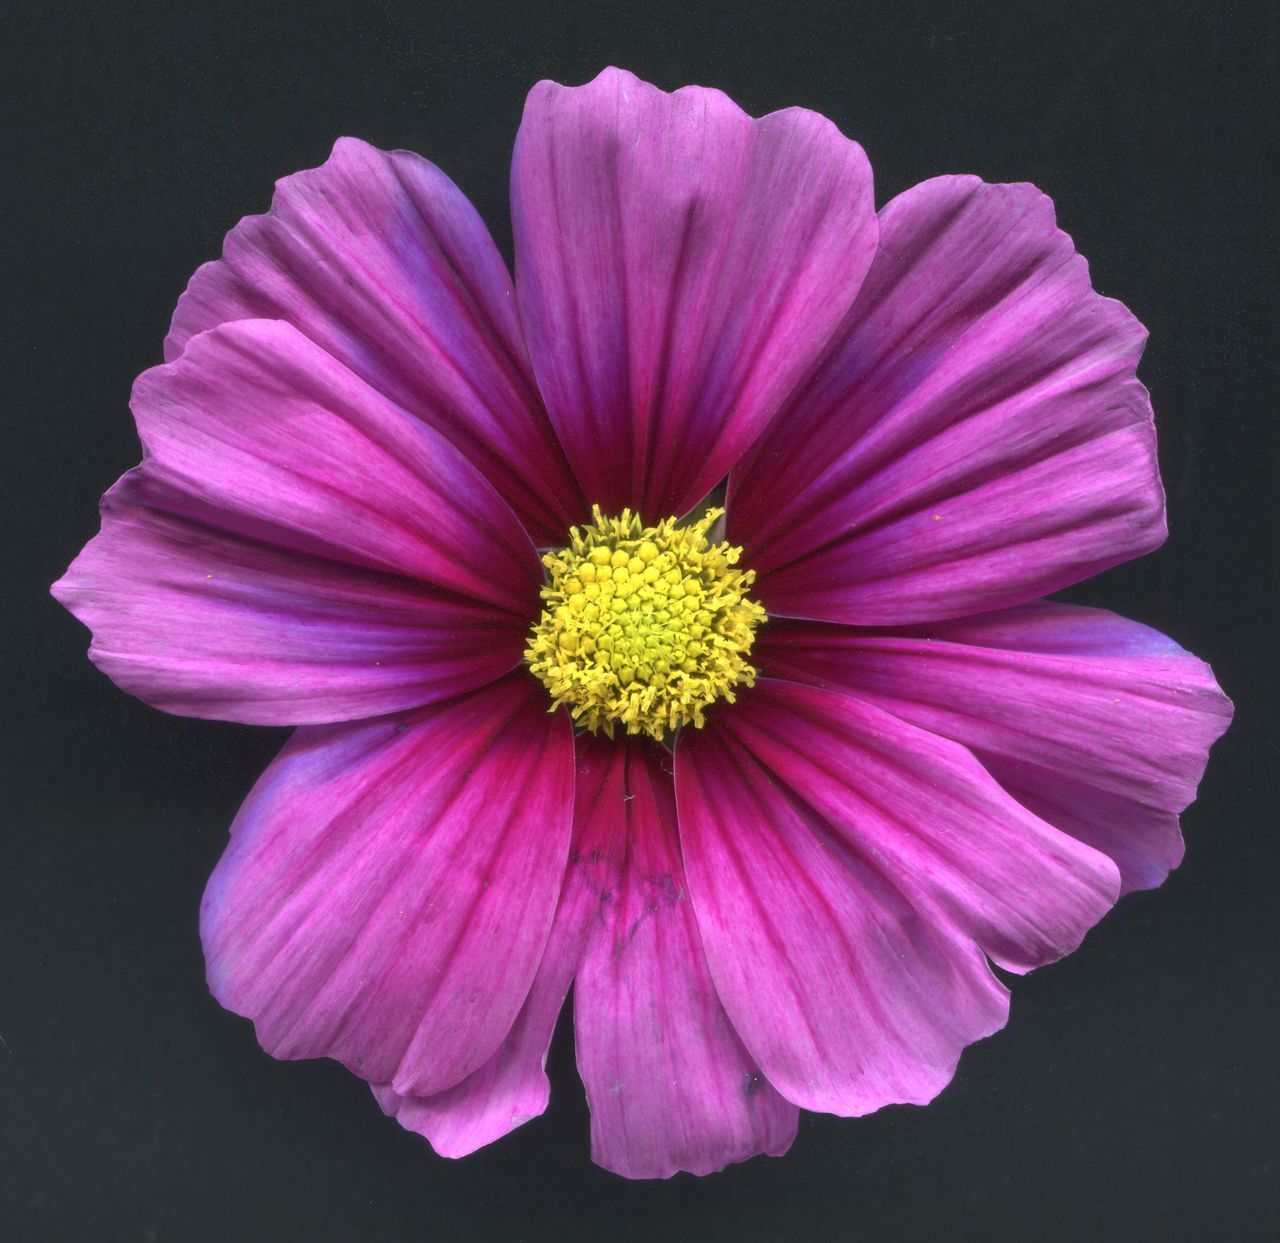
(1134, 1093)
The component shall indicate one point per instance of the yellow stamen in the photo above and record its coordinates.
(643, 626)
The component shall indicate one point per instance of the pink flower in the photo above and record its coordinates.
(813, 790)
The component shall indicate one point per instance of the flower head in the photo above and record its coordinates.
(769, 787)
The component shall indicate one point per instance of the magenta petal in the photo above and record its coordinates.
(848, 870)
(512, 1087)
(669, 1083)
(976, 438)
(257, 431)
(931, 816)
(848, 988)
(679, 266)
(1097, 724)
(378, 257)
(205, 623)
(295, 548)
(389, 887)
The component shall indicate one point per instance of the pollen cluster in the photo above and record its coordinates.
(643, 627)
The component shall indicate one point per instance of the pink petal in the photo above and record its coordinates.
(669, 1083)
(204, 623)
(258, 430)
(295, 548)
(512, 1086)
(1097, 724)
(848, 870)
(679, 267)
(378, 258)
(976, 438)
(389, 887)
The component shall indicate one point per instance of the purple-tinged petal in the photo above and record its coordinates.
(976, 437)
(679, 266)
(204, 623)
(295, 548)
(1099, 725)
(669, 1083)
(848, 988)
(848, 871)
(257, 431)
(512, 1086)
(380, 259)
(923, 806)
(389, 887)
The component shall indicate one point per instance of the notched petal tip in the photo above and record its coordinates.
(615, 80)
(710, 1163)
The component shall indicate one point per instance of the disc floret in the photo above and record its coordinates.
(643, 627)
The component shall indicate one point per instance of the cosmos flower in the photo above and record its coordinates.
(770, 788)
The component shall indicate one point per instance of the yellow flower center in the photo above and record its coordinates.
(643, 626)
